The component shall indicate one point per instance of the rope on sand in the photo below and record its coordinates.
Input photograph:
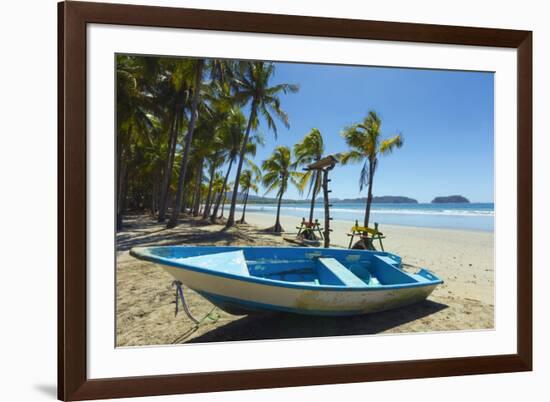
(199, 322)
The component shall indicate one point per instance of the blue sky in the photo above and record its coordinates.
(445, 117)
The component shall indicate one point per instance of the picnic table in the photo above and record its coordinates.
(308, 229)
(369, 235)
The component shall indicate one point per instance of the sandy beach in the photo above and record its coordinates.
(145, 297)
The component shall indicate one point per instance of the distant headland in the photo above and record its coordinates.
(451, 199)
(385, 199)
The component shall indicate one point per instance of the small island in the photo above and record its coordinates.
(394, 199)
(451, 199)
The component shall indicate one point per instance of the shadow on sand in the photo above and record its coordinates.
(281, 326)
(139, 231)
(190, 233)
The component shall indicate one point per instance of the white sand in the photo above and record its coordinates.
(145, 299)
(463, 259)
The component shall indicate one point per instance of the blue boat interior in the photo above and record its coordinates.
(321, 267)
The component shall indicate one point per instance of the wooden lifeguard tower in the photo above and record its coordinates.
(324, 166)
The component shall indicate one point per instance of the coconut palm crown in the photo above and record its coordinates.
(366, 143)
(278, 169)
(231, 136)
(308, 151)
(249, 177)
(252, 85)
(196, 68)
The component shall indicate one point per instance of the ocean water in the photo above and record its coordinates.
(473, 216)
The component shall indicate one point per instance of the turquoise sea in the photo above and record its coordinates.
(473, 216)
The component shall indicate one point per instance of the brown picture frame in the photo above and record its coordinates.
(73, 383)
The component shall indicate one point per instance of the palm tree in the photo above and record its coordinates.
(133, 118)
(175, 92)
(278, 169)
(226, 187)
(217, 183)
(197, 68)
(231, 136)
(206, 144)
(196, 164)
(308, 151)
(365, 140)
(248, 182)
(147, 166)
(253, 86)
(214, 161)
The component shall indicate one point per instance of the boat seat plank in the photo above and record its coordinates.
(232, 262)
(341, 272)
(387, 260)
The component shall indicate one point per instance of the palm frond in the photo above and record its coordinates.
(297, 179)
(255, 170)
(304, 181)
(364, 176)
(310, 149)
(352, 156)
(387, 146)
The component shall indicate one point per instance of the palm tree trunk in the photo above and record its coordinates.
(197, 201)
(187, 196)
(312, 205)
(198, 209)
(174, 129)
(121, 193)
(122, 178)
(244, 206)
(193, 199)
(214, 195)
(123, 199)
(223, 204)
(159, 191)
(183, 205)
(153, 206)
(189, 137)
(219, 200)
(206, 210)
(119, 167)
(154, 190)
(369, 195)
(278, 228)
(251, 118)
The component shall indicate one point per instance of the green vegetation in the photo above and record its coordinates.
(310, 150)
(176, 117)
(366, 145)
(450, 199)
(187, 130)
(252, 83)
(248, 181)
(278, 170)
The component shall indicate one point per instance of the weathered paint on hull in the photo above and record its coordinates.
(241, 296)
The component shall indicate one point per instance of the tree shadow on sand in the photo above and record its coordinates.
(195, 237)
(281, 325)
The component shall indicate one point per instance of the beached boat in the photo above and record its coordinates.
(313, 281)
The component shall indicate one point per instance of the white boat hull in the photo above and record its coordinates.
(261, 296)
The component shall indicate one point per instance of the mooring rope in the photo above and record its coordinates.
(180, 295)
